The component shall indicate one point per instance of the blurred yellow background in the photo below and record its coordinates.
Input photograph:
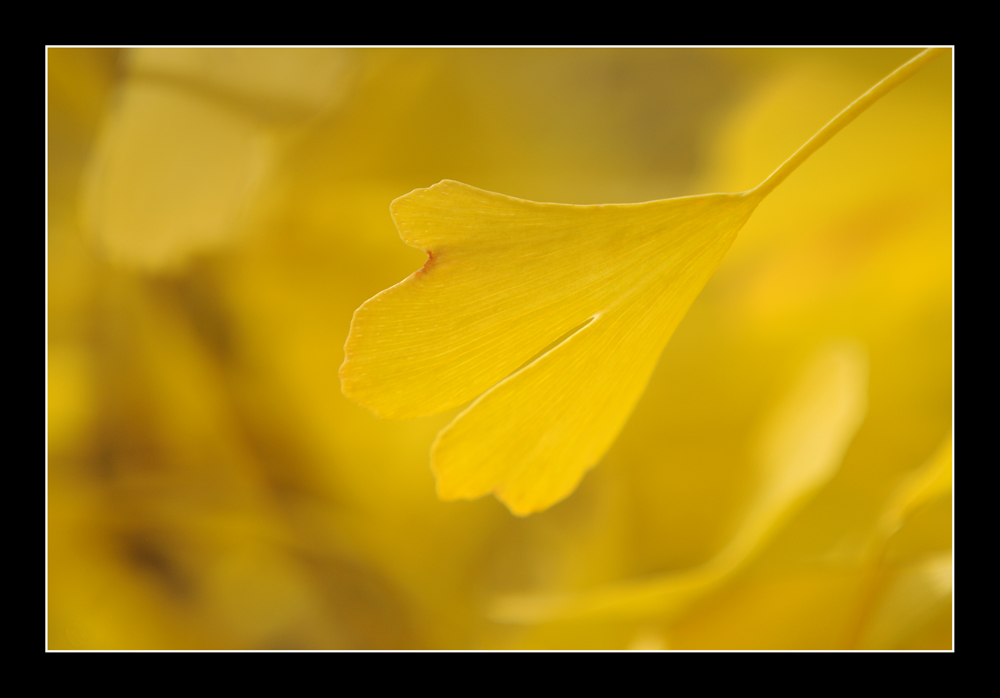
(216, 215)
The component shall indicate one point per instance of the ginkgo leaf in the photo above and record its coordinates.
(550, 317)
(802, 446)
(498, 288)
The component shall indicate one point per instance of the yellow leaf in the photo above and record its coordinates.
(189, 142)
(551, 317)
(171, 175)
(274, 83)
(916, 520)
(499, 286)
(914, 597)
(931, 481)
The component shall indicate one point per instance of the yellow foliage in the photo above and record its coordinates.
(215, 217)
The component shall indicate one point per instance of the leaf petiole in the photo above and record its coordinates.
(849, 114)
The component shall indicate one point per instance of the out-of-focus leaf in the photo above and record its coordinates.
(170, 176)
(803, 444)
(910, 553)
(289, 82)
(190, 141)
(930, 482)
(914, 597)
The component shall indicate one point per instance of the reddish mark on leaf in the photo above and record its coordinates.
(427, 264)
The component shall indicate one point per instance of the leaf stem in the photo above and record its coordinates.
(886, 85)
